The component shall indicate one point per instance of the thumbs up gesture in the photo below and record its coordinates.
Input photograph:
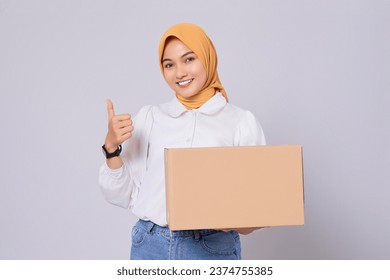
(120, 128)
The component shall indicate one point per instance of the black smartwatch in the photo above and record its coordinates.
(113, 154)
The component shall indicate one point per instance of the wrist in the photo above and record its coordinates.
(109, 146)
(110, 149)
(111, 153)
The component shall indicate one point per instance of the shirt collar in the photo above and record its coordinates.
(174, 108)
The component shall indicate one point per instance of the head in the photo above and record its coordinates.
(182, 69)
(188, 61)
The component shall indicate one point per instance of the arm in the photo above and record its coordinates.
(249, 133)
(120, 179)
(114, 176)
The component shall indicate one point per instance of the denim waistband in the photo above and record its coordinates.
(150, 227)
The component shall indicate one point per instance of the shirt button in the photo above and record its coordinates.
(188, 140)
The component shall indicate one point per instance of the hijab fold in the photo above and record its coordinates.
(197, 41)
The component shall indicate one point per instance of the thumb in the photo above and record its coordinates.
(110, 108)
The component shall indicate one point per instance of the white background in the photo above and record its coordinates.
(314, 73)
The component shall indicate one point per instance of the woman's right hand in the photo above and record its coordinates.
(120, 128)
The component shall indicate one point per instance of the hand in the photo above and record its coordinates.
(243, 230)
(120, 128)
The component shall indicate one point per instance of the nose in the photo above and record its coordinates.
(180, 72)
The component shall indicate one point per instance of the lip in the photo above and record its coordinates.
(189, 81)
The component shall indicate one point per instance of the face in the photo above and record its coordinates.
(183, 71)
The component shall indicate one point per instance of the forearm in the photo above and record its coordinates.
(115, 162)
(116, 185)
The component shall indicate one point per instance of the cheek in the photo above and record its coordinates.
(201, 73)
(169, 80)
(167, 76)
(202, 77)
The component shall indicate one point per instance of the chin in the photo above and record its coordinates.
(186, 95)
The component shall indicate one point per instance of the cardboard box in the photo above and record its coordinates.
(234, 187)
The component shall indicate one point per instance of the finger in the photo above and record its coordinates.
(124, 123)
(110, 108)
(125, 136)
(125, 130)
(122, 117)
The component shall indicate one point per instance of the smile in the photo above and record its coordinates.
(186, 82)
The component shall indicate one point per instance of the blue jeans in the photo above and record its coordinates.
(153, 242)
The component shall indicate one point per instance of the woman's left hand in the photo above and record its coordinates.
(242, 230)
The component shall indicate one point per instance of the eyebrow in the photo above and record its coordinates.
(168, 59)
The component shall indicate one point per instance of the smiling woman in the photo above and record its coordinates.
(198, 116)
(183, 71)
(194, 54)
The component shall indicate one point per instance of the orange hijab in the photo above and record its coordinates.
(196, 40)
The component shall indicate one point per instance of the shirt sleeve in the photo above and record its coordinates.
(250, 132)
(121, 186)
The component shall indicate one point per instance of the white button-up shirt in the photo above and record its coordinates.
(140, 183)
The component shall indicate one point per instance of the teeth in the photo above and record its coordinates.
(185, 82)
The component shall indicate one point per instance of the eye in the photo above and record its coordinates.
(189, 59)
(168, 65)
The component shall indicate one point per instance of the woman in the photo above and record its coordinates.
(198, 116)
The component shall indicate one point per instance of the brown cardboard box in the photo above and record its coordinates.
(234, 187)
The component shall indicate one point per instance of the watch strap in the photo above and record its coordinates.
(116, 153)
